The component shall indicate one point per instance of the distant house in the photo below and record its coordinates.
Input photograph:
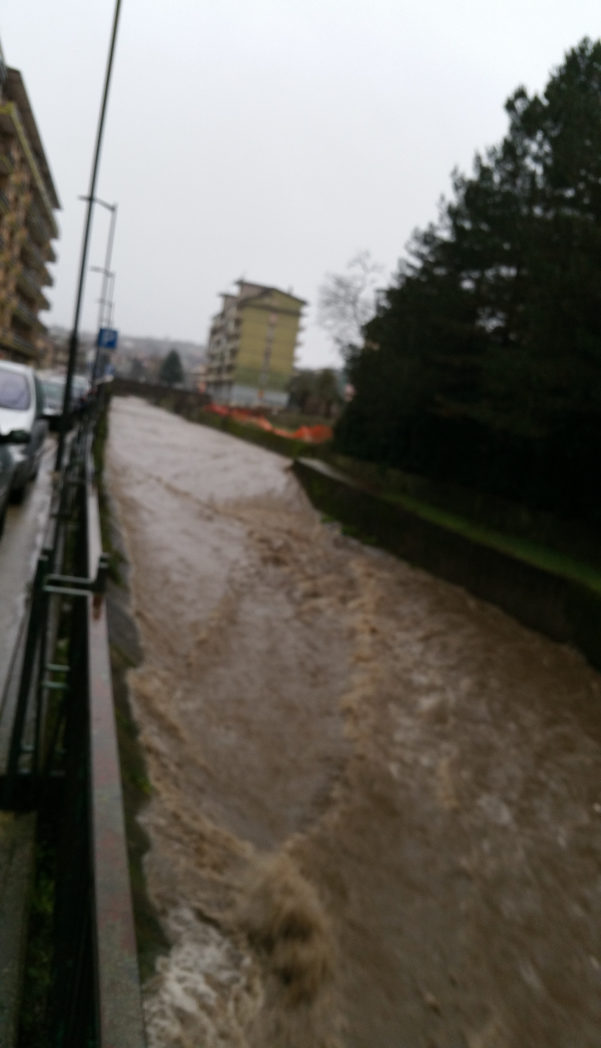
(250, 356)
(198, 376)
(28, 201)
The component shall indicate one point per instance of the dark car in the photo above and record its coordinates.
(80, 393)
(53, 386)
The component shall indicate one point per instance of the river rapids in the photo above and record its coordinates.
(375, 817)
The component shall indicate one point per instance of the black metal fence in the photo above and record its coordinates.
(63, 752)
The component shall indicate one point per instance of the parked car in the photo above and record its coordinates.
(22, 423)
(80, 393)
(53, 387)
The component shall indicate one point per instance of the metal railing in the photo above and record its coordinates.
(63, 751)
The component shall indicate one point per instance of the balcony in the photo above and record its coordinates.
(28, 283)
(24, 314)
(6, 120)
(31, 253)
(22, 346)
(12, 124)
(6, 164)
(39, 230)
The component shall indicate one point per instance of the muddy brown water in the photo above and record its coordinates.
(376, 808)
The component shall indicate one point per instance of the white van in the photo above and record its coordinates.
(22, 425)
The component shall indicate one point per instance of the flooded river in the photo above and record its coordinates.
(375, 818)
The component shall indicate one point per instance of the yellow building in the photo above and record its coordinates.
(250, 356)
(27, 224)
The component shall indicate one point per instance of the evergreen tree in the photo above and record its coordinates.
(314, 392)
(488, 361)
(171, 371)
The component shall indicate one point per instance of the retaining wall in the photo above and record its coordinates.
(559, 607)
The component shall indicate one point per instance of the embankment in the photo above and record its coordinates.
(563, 602)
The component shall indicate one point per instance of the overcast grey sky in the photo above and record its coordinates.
(271, 139)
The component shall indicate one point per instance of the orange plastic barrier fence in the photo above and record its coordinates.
(310, 434)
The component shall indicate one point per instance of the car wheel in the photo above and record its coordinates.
(18, 494)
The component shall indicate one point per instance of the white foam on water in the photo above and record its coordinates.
(204, 990)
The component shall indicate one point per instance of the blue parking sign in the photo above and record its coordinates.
(107, 338)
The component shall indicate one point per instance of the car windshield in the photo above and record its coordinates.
(14, 390)
(53, 391)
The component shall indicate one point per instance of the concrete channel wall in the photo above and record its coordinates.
(563, 609)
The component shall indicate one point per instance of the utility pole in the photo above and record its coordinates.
(107, 281)
(74, 339)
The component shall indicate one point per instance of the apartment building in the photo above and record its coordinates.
(250, 355)
(28, 201)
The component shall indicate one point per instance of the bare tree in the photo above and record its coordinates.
(348, 300)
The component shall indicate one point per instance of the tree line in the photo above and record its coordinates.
(481, 365)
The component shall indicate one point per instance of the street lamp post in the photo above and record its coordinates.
(105, 310)
(111, 300)
(106, 271)
(74, 340)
